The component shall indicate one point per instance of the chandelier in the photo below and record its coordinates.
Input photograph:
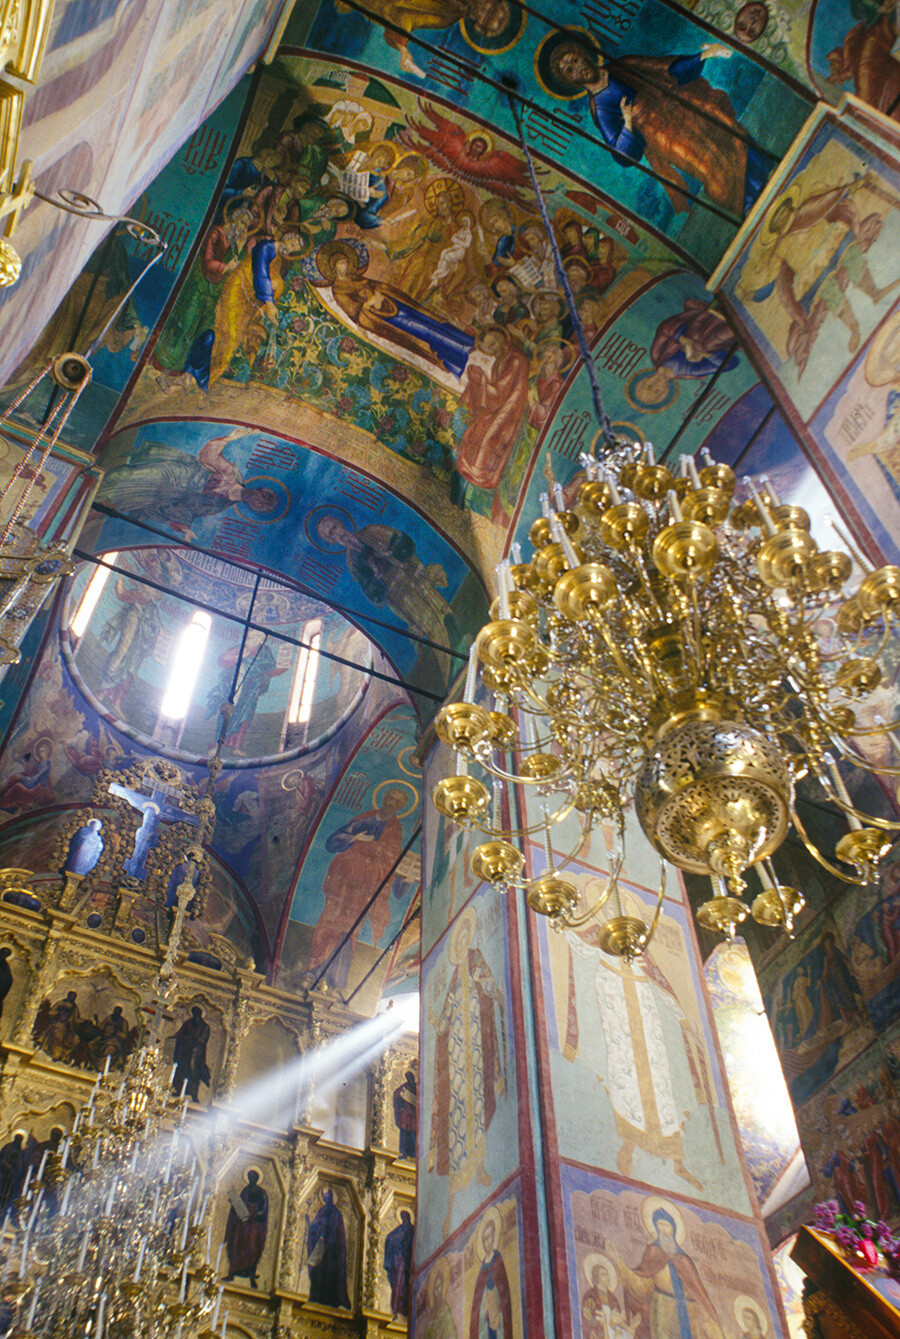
(107, 1241)
(670, 649)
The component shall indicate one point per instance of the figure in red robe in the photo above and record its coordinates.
(246, 1229)
(491, 1316)
(497, 400)
(366, 850)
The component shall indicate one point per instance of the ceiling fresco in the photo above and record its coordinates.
(334, 404)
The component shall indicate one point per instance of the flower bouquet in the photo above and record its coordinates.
(857, 1233)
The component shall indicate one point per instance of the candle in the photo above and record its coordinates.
(215, 1319)
(187, 1214)
(24, 1256)
(707, 458)
(516, 552)
(648, 453)
(504, 581)
(209, 1242)
(763, 510)
(613, 490)
(545, 505)
(101, 1312)
(106, 1066)
(43, 1164)
(776, 501)
(689, 470)
(674, 505)
(225, 1324)
(219, 1261)
(65, 1203)
(558, 499)
(526, 722)
(559, 534)
(140, 1260)
(34, 1301)
(183, 1282)
(28, 1177)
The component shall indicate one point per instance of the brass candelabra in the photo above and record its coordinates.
(671, 648)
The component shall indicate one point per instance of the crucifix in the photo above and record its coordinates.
(156, 809)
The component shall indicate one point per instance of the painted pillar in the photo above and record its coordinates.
(579, 1166)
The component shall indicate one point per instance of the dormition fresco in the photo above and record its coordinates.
(122, 660)
(476, 1286)
(608, 1022)
(812, 279)
(342, 536)
(352, 854)
(175, 204)
(729, 139)
(448, 395)
(759, 1096)
(468, 1074)
(94, 126)
(660, 1267)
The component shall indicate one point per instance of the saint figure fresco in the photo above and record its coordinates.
(6, 981)
(365, 850)
(406, 1109)
(189, 1055)
(491, 1313)
(469, 1064)
(664, 1285)
(85, 848)
(398, 1248)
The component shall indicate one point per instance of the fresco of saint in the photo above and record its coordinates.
(470, 1068)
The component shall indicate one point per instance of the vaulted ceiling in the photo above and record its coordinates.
(354, 373)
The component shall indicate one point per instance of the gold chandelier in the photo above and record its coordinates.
(674, 650)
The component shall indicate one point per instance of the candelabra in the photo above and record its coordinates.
(672, 649)
(108, 1241)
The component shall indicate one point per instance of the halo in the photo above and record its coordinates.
(568, 348)
(309, 526)
(392, 150)
(321, 261)
(670, 397)
(768, 234)
(402, 765)
(878, 372)
(293, 777)
(744, 1303)
(44, 739)
(621, 428)
(468, 917)
(542, 57)
(479, 134)
(504, 40)
(591, 1263)
(493, 329)
(397, 785)
(652, 1204)
(444, 186)
(492, 1215)
(265, 518)
(441, 1269)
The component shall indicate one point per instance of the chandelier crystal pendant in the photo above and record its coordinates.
(670, 649)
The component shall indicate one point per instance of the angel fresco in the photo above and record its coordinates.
(632, 101)
(469, 156)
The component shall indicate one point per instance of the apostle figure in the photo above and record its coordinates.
(398, 1246)
(6, 978)
(85, 848)
(406, 1108)
(491, 1301)
(189, 1055)
(496, 397)
(469, 1065)
(246, 1228)
(326, 1255)
(661, 109)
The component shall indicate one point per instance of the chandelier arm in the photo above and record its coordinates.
(868, 819)
(573, 922)
(651, 929)
(557, 817)
(514, 777)
(857, 761)
(867, 732)
(820, 859)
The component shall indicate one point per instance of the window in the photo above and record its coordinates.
(185, 666)
(304, 686)
(91, 596)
